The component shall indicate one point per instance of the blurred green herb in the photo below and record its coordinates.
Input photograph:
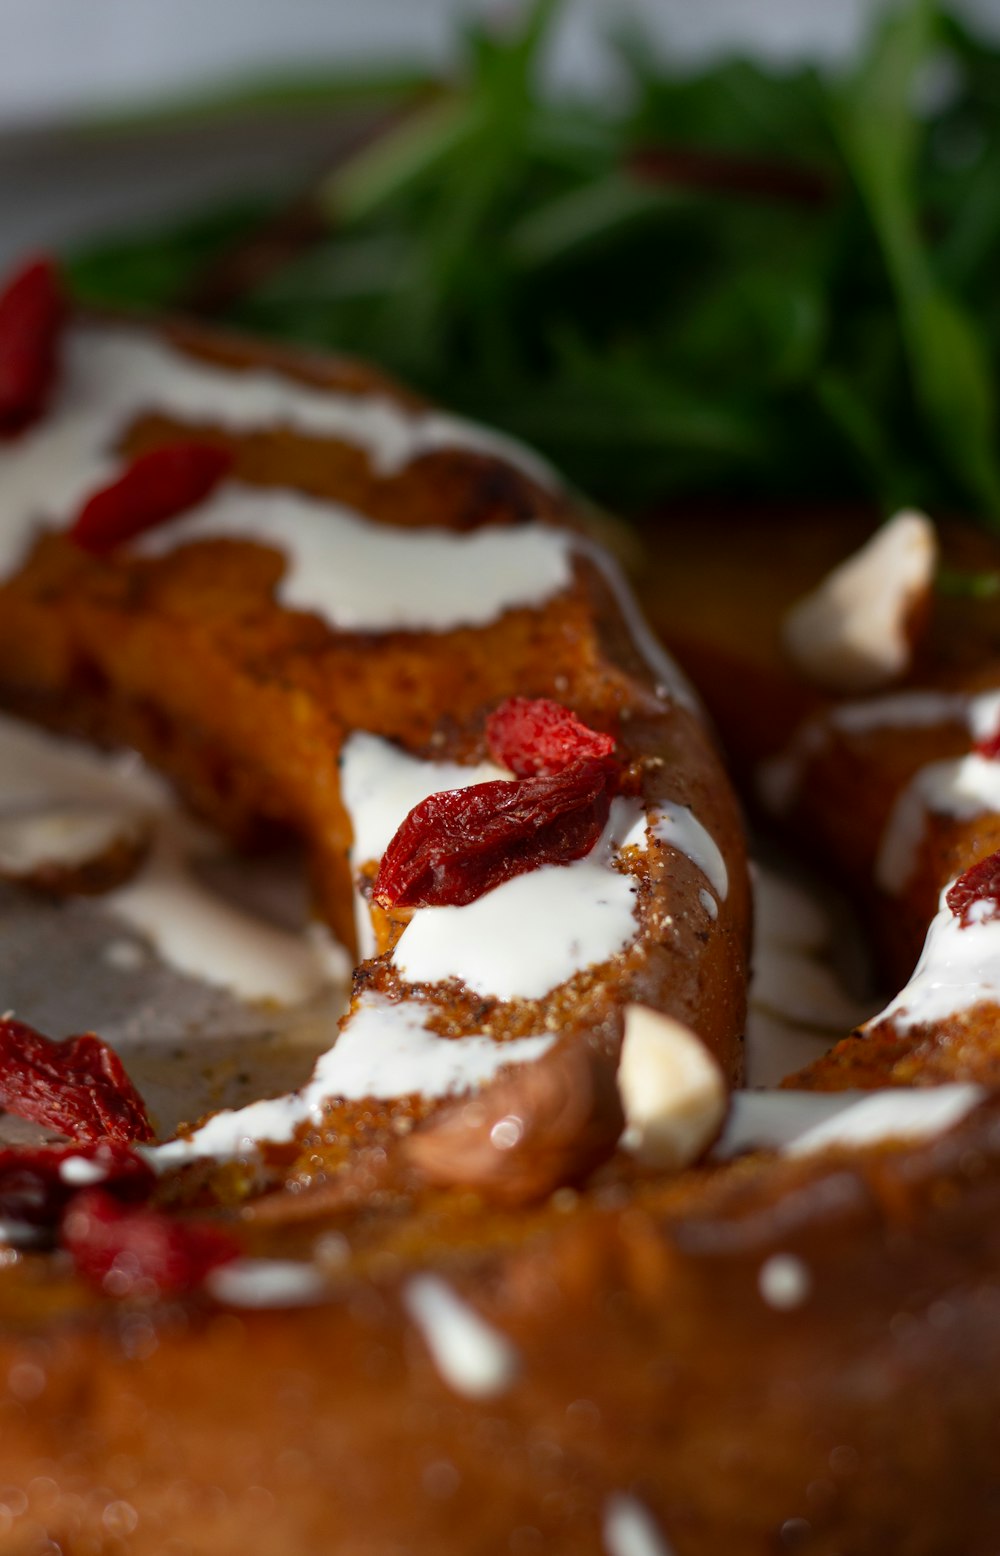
(737, 281)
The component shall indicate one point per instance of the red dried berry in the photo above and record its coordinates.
(989, 747)
(979, 885)
(155, 487)
(536, 737)
(457, 845)
(36, 1185)
(78, 1087)
(31, 316)
(140, 1253)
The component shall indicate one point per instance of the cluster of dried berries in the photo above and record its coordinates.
(154, 487)
(989, 746)
(460, 843)
(79, 1088)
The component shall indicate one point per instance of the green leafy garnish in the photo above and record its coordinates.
(738, 281)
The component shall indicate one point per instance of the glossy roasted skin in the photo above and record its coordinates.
(245, 704)
(649, 1363)
(861, 1420)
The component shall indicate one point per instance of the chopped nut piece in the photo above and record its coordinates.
(856, 632)
(671, 1088)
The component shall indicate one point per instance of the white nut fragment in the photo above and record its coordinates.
(672, 1090)
(855, 632)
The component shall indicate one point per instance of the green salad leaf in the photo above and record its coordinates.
(730, 281)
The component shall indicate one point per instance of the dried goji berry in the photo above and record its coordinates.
(155, 487)
(980, 885)
(78, 1087)
(140, 1253)
(31, 317)
(536, 737)
(457, 845)
(36, 1185)
(989, 747)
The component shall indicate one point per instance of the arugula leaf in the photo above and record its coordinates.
(734, 281)
(875, 120)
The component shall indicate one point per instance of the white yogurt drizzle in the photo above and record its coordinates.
(963, 788)
(384, 1050)
(959, 968)
(677, 825)
(671, 682)
(472, 1357)
(380, 784)
(524, 937)
(799, 1123)
(534, 932)
(81, 1171)
(267, 1283)
(365, 577)
(784, 1282)
(192, 928)
(779, 778)
(111, 374)
(630, 1528)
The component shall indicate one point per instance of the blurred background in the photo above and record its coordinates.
(743, 246)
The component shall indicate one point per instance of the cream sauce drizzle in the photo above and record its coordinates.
(381, 783)
(111, 374)
(192, 928)
(384, 1050)
(780, 777)
(365, 577)
(630, 1528)
(677, 825)
(959, 968)
(267, 1283)
(472, 1357)
(799, 1123)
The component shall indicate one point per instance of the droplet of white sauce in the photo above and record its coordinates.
(472, 1357)
(113, 373)
(267, 1283)
(630, 1528)
(81, 1171)
(784, 1281)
